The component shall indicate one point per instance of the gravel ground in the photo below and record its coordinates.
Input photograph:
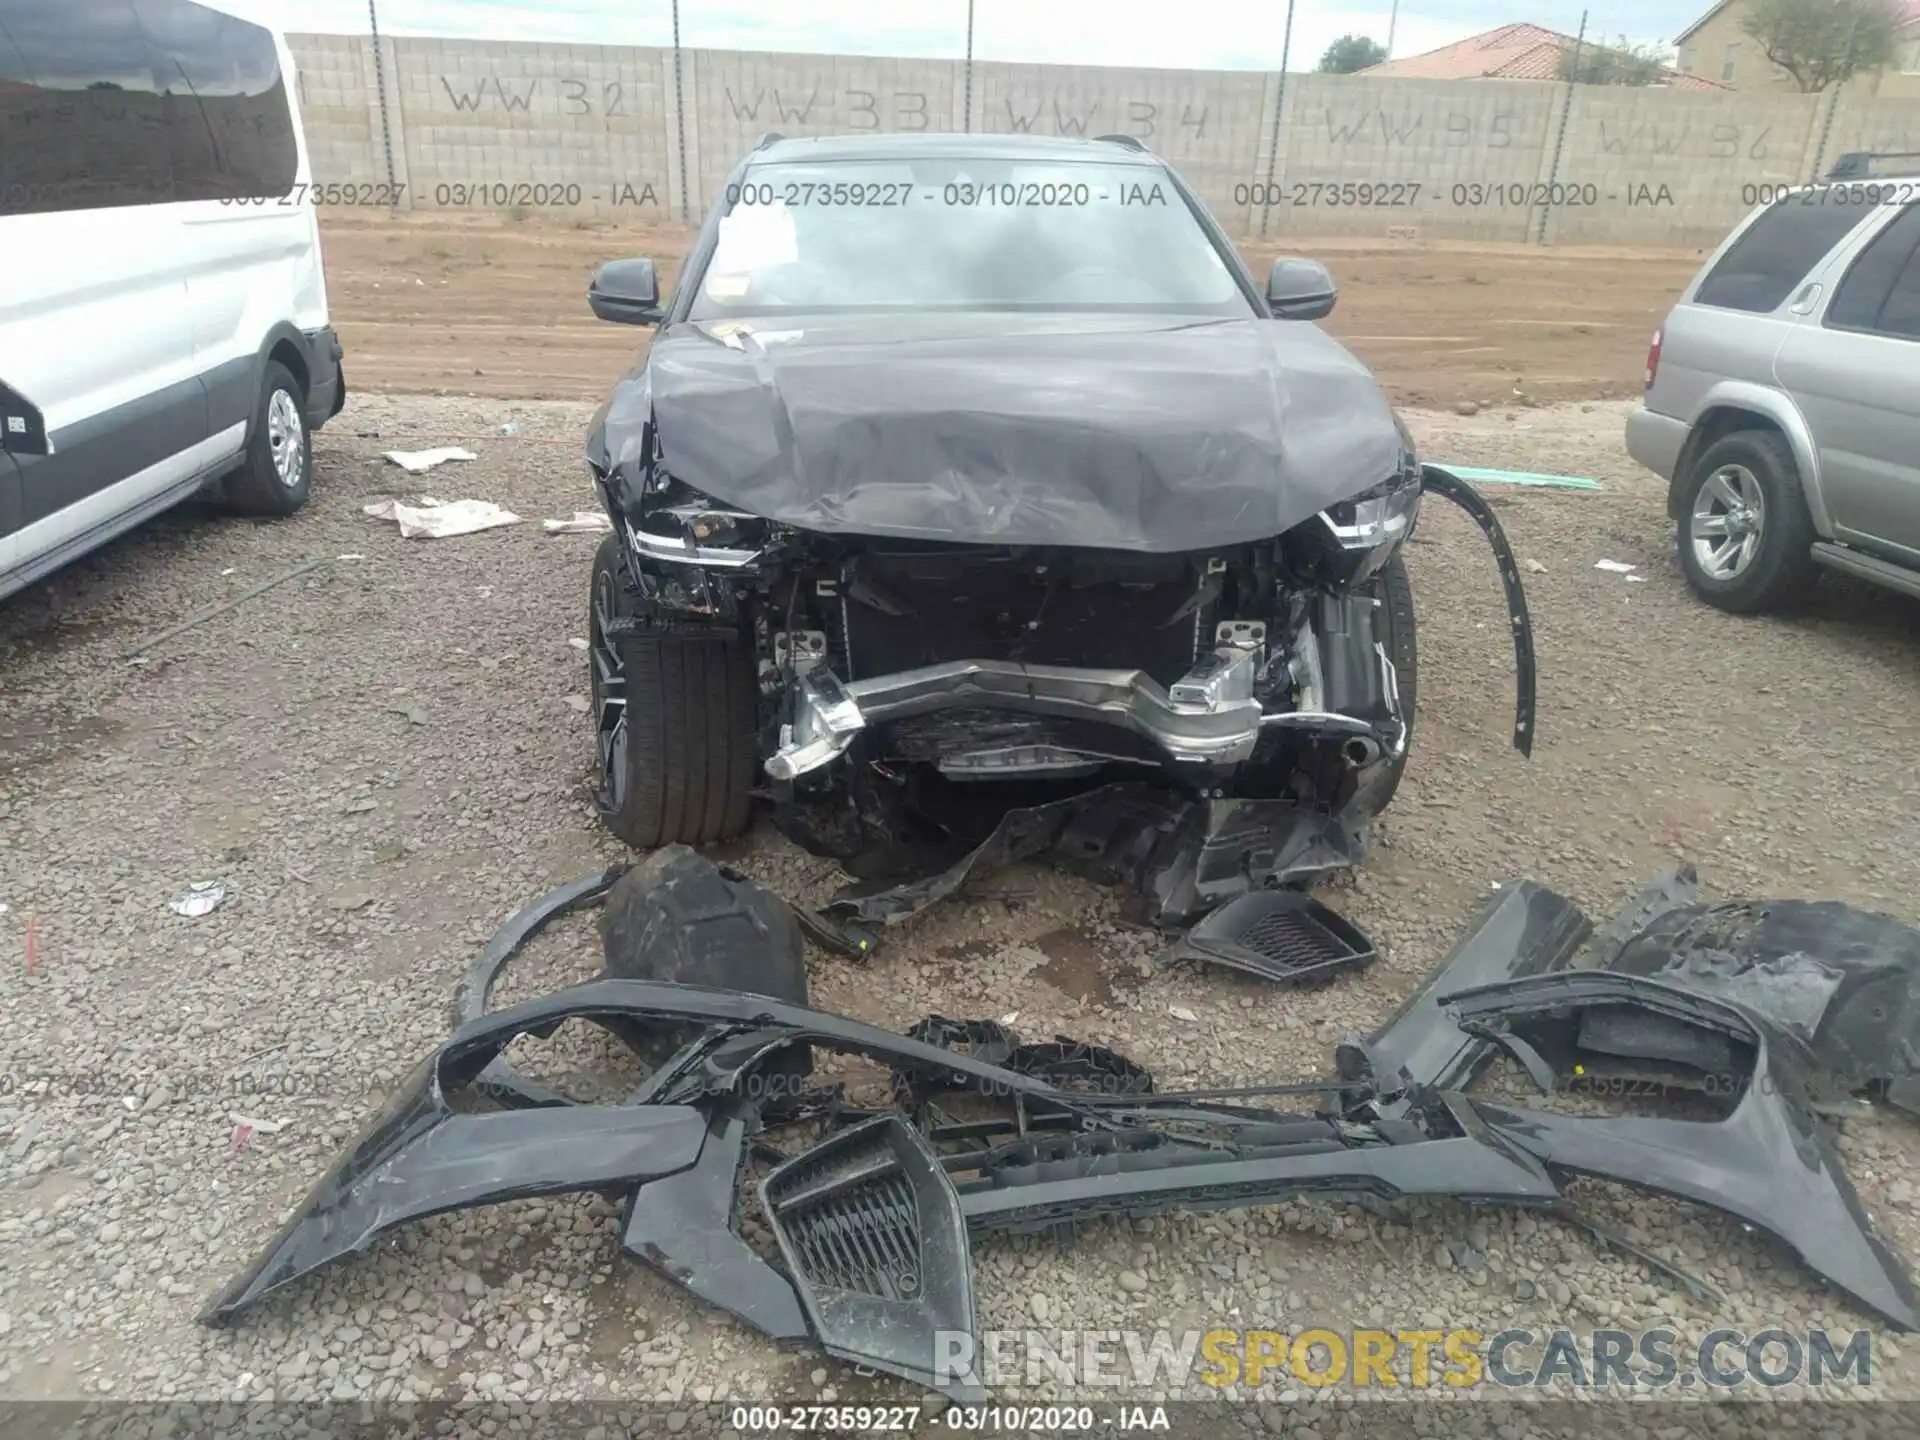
(383, 758)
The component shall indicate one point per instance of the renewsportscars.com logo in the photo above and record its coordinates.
(1405, 1359)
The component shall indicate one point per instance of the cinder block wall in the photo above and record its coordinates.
(612, 129)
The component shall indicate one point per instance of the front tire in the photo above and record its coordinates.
(674, 722)
(1746, 539)
(276, 477)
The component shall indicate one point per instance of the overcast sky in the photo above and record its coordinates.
(1197, 34)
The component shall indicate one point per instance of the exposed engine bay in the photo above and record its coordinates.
(908, 692)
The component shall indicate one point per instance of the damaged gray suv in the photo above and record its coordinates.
(966, 468)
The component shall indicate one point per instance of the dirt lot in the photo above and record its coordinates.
(382, 759)
(487, 305)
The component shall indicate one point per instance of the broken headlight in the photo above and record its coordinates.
(678, 523)
(1379, 518)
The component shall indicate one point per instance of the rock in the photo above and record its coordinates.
(1039, 1306)
(1133, 1282)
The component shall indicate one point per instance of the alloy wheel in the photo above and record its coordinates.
(609, 692)
(1728, 522)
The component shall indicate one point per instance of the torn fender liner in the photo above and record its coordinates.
(1845, 981)
(871, 1229)
(420, 1158)
(677, 916)
(1441, 482)
(680, 917)
(1769, 1162)
(1523, 929)
(1174, 436)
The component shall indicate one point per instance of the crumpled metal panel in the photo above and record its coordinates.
(1142, 433)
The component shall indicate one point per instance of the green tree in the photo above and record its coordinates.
(1825, 42)
(1350, 53)
(1622, 63)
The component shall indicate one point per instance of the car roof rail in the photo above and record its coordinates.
(1132, 142)
(772, 137)
(1856, 164)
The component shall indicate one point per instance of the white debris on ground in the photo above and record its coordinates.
(441, 519)
(415, 461)
(376, 855)
(202, 897)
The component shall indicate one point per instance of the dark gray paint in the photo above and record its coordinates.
(1122, 432)
(102, 450)
(9, 495)
(233, 392)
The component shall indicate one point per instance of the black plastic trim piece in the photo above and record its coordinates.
(1452, 487)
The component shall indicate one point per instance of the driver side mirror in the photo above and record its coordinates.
(1300, 289)
(626, 292)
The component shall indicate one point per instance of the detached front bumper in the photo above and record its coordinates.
(1208, 717)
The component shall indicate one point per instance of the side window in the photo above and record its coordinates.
(138, 102)
(229, 119)
(1769, 260)
(1878, 292)
(80, 118)
(1901, 314)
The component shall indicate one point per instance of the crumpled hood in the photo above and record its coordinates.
(1112, 432)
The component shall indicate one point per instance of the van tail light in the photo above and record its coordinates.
(1653, 355)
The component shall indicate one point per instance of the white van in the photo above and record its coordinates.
(163, 316)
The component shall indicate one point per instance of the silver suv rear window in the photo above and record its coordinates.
(1776, 251)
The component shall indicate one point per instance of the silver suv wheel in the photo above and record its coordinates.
(1729, 519)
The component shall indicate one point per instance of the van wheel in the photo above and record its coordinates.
(277, 475)
(674, 716)
(1746, 539)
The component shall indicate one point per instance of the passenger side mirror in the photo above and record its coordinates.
(1300, 289)
(626, 292)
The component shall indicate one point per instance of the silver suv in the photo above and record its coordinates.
(1783, 395)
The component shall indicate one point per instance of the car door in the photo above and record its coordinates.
(94, 330)
(1854, 370)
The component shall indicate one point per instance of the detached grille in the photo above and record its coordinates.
(872, 1233)
(1279, 935)
(864, 1237)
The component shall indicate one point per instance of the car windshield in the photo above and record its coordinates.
(960, 233)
